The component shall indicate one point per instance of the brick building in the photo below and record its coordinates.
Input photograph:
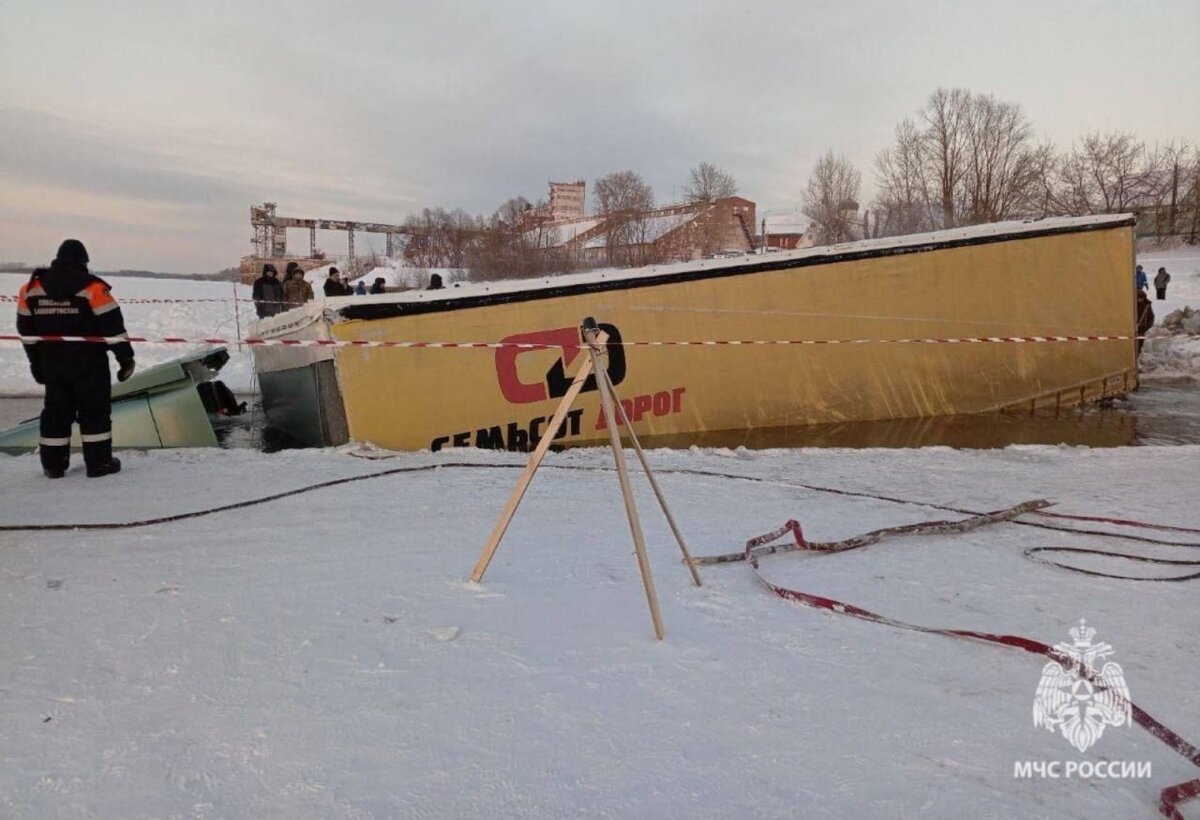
(676, 233)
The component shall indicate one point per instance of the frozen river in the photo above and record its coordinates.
(1155, 415)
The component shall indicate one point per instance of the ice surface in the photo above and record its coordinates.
(216, 318)
(294, 659)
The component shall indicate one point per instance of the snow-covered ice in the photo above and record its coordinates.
(193, 320)
(322, 655)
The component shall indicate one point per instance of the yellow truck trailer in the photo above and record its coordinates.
(1052, 277)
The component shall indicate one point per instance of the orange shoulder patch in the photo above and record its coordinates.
(99, 295)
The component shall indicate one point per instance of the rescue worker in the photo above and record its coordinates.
(1145, 318)
(67, 300)
(267, 292)
(1161, 280)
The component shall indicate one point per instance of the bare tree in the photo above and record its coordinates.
(1191, 199)
(904, 203)
(622, 191)
(1106, 173)
(708, 184)
(439, 238)
(947, 116)
(968, 158)
(1000, 168)
(831, 199)
(1168, 169)
(1043, 195)
(519, 241)
(624, 197)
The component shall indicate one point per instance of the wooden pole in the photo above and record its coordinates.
(662, 501)
(535, 460)
(237, 317)
(635, 526)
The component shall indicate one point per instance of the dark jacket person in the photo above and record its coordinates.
(333, 286)
(1161, 280)
(267, 293)
(67, 300)
(1145, 317)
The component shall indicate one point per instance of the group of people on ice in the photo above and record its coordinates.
(1161, 280)
(1145, 312)
(272, 296)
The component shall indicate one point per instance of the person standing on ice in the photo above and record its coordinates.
(332, 286)
(1145, 318)
(296, 290)
(1161, 280)
(378, 285)
(67, 300)
(268, 292)
(1139, 278)
(361, 288)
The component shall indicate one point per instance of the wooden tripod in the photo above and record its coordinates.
(614, 413)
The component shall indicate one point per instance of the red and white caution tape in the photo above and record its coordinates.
(260, 342)
(1169, 799)
(145, 301)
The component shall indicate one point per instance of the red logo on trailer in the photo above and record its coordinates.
(555, 383)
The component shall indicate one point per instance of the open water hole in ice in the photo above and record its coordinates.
(1154, 415)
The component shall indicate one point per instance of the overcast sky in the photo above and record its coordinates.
(148, 129)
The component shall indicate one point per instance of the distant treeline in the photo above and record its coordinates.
(965, 158)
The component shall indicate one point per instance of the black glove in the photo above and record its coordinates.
(36, 369)
(125, 371)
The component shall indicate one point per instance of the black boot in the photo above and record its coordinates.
(53, 464)
(55, 460)
(113, 465)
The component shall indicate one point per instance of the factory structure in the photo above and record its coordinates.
(559, 228)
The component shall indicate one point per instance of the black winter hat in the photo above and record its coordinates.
(72, 252)
(269, 268)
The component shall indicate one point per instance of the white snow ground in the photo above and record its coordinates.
(322, 656)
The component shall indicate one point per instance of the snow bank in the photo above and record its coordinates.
(322, 655)
(1171, 354)
(399, 275)
(396, 274)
